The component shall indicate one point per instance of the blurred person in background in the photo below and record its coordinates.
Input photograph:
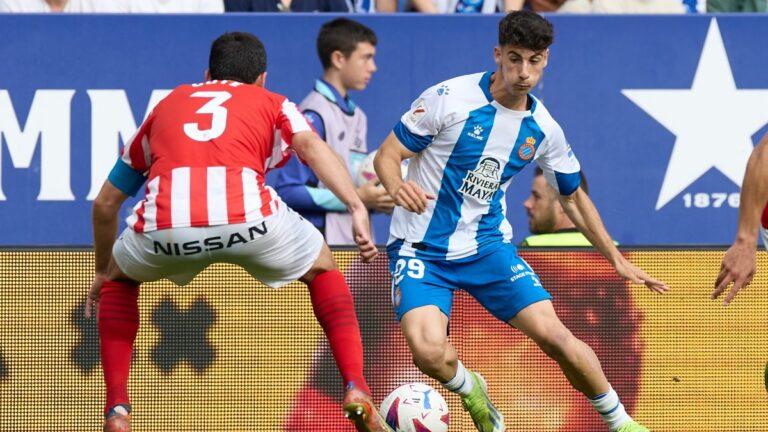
(534, 5)
(342, 6)
(70, 6)
(173, 6)
(112, 6)
(257, 5)
(737, 6)
(625, 6)
(461, 6)
(547, 221)
(739, 262)
(346, 49)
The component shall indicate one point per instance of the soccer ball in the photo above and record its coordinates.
(366, 173)
(415, 407)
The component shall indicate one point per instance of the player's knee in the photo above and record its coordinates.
(557, 343)
(323, 263)
(430, 356)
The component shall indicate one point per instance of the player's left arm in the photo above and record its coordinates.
(585, 216)
(561, 170)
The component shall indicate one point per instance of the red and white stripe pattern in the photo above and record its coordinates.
(203, 196)
(139, 157)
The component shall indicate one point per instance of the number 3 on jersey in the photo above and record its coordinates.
(218, 116)
(415, 269)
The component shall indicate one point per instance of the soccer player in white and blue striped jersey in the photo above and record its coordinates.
(466, 138)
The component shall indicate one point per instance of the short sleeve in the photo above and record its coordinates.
(560, 166)
(136, 153)
(422, 122)
(290, 121)
(316, 120)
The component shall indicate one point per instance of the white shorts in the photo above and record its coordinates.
(276, 251)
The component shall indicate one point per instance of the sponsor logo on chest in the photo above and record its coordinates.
(484, 181)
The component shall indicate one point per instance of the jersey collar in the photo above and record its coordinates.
(329, 92)
(485, 85)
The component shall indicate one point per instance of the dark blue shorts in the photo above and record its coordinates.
(500, 280)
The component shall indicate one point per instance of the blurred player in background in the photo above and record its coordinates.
(204, 152)
(468, 136)
(346, 49)
(547, 220)
(739, 263)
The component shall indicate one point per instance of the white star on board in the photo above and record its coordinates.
(713, 120)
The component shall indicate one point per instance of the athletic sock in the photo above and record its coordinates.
(335, 311)
(118, 322)
(462, 383)
(610, 409)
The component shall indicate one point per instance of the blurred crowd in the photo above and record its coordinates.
(373, 6)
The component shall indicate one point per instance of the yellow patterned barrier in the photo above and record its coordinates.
(228, 354)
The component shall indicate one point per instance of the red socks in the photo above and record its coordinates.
(335, 311)
(118, 321)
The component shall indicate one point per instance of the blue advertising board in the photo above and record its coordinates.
(662, 111)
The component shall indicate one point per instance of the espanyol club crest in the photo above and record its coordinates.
(527, 149)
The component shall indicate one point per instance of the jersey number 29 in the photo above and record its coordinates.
(218, 116)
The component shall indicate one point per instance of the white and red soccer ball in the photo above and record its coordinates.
(415, 407)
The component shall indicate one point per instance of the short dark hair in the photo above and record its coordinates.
(237, 56)
(584, 185)
(526, 29)
(343, 35)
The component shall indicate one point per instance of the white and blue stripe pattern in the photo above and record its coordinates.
(468, 149)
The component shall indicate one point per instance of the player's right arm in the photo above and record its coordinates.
(739, 261)
(411, 135)
(387, 163)
(331, 171)
(125, 179)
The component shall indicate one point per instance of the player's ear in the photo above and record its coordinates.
(497, 55)
(261, 81)
(207, 75)
(545, 57)
(337, 59)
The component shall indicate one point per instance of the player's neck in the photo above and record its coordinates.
(563, 224)
(333, 78)
(515, 102)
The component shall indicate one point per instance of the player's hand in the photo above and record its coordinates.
(412, 197)
(375, 197)
(630, 272)
(738, 267)
(93, 294)
(361, 228)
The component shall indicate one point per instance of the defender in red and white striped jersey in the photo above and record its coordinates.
(205, 150)
(203, 153)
